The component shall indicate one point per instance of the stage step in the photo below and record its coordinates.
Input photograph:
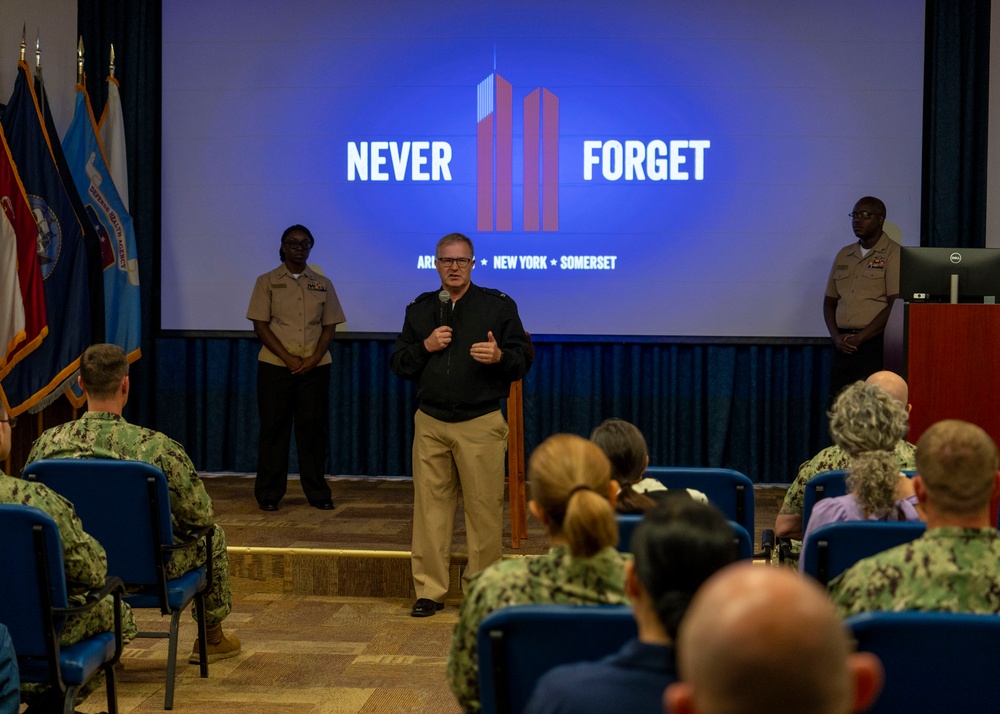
(331, 572)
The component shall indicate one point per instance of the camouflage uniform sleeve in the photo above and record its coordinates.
(795, 495)
(829, 459)
(84, 559)
(190, 504)
(463, 659)
(488, 591)
(38, 449)
(867, 586)
(907, 455)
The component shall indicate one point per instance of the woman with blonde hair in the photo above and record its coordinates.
(572, 495)
(867, 423)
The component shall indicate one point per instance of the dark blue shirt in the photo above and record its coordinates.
(631, 680)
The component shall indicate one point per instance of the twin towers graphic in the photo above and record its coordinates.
(495, 158)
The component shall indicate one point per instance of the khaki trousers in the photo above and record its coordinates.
(470, 453)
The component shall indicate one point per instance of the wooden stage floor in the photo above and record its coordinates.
(371, 514)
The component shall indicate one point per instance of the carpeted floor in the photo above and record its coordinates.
(301, 655)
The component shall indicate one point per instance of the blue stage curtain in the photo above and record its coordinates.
(956, 117)
(754, 408)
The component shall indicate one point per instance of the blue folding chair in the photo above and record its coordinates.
(835, 547)
(627, 523)
(827, 484)
(125, 505)
(729, 490)
(518, 644)
(34, 605)
(934, 661)
(626, 527)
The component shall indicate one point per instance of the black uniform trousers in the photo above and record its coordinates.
(284, 398)
(848, 369)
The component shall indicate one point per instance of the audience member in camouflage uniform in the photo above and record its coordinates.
(760, 640)
(102, 433)
(953, 566)
(10, 697)
(84, 560)
(570, 487)
(788, 524)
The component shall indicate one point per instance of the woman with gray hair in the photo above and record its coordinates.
(866, 422)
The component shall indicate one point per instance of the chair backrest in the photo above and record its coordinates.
(827, 484)
(934, 661)
(125, 505)
(627, 523)
(33, 582)
(833, 548)
(626, 527)
(744, 543)
(729, 490)
(519, 644)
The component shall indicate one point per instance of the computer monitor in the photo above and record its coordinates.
(926, 274)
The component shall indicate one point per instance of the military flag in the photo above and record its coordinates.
(104, 208)
(112, 131)
(36, 380)
(22, 296)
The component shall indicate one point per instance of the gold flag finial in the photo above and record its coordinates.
(24, 32)
(79, 61)
(111, 66)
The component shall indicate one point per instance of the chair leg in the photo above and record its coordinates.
(202, 634)
(109, 683)
(175, 617)
(69, 699)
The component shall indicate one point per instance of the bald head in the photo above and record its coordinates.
(892, 383)
(759, 639)
(957, 464)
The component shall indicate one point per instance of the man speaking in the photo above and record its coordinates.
(464, 345)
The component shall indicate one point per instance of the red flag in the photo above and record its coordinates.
(23, 327)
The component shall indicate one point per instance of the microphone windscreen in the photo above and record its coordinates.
(444, 296)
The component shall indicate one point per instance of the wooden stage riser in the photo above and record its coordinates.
(340, 575)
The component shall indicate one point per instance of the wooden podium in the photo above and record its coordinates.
(953, 365)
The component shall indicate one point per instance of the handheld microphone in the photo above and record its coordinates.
(444, 312)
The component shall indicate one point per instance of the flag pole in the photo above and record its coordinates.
(111, 68)
(24, 32)
(38, 55)
(79, 61)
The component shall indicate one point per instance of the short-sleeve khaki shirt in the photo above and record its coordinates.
(295, 309)
(862, 284)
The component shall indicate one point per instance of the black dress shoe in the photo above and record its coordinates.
(425, 607)
(268, 505)
(326, 505)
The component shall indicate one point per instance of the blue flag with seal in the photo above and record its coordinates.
(38, 378)
(110, 218)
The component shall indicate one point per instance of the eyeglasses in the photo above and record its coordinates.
(863, 215)
(460, 262)
(303, 244)
(9, 420)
